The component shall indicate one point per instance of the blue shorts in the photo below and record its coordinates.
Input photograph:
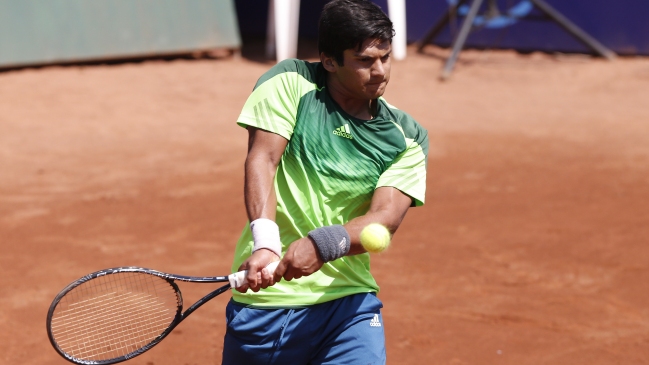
(348, 330)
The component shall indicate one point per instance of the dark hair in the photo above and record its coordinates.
(346, 24)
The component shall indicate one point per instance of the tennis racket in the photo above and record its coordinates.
(115, 314)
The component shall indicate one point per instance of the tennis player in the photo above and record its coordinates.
(327, 155)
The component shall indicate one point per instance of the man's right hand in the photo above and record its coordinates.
(258, 276)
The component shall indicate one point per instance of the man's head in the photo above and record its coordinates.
(346, 24)
(355, 45)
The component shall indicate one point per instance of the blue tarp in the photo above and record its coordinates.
(622, 26)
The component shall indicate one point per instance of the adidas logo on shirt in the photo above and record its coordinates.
(343, 131)
(375, 322)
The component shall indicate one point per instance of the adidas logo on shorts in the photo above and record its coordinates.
(343, 131)
(375, 322)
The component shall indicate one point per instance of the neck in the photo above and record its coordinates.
(357, 107)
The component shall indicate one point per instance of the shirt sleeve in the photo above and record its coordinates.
(273, 104)
(408, 171)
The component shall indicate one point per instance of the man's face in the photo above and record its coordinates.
(365, 73)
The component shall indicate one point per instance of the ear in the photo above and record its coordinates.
(329, 63)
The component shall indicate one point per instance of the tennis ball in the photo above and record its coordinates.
(375, 237)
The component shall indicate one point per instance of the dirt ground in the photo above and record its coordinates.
(532, 247)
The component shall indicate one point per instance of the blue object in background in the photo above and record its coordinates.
(622, 26)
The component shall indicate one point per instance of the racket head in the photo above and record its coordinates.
(113, 315)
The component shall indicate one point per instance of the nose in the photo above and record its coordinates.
(378, 68)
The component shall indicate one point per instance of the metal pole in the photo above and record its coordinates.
(461, 38)
(397, 13)
(573, 29)
(434, 31)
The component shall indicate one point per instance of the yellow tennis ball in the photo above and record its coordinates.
(375, 237)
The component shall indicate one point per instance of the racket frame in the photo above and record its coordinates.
(179, 317)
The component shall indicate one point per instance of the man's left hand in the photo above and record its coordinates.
(301, 259)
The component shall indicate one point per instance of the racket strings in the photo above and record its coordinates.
(113, 315)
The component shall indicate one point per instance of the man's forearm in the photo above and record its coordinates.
(259, 189)
(261, 203)
(389, 207)
(265, 150)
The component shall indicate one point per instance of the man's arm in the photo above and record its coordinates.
(388, 207)
(265, 150)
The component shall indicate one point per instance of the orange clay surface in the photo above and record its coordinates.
(532, 248)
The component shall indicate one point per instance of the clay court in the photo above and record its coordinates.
(532, 247)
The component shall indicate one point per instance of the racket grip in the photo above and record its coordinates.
(239, 278)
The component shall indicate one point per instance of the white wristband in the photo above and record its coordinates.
(265, 233)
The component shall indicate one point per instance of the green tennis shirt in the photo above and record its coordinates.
(327, 175)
